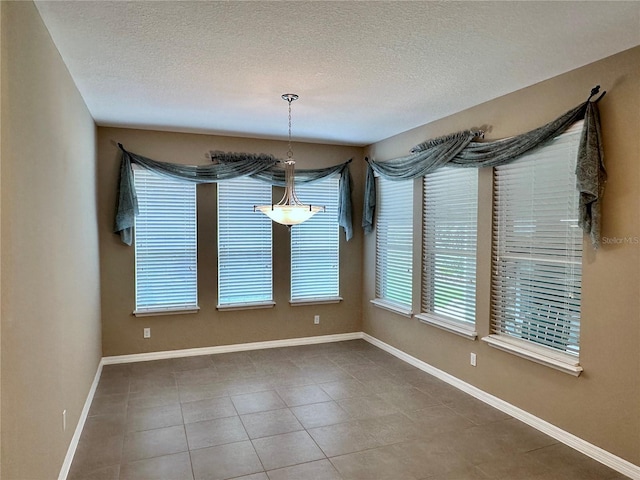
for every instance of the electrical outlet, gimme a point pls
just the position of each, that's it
(147, 333)
(316, 319)
(473, 359)
(64, 420)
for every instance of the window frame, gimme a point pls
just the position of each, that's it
(453, 191)
(146, 309)
(239, 210)
(525, 348)
(305, 239)
(394, 209)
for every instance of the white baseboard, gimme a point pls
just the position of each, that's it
(619, 464)
(71, 451)
(238, 347)
(609, 459)
(191, 352)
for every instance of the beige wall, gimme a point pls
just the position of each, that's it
(122, 332)
(49, 272)
(601, 406)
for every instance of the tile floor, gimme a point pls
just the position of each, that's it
(344, 410)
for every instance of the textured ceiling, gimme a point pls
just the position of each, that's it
(364, 70)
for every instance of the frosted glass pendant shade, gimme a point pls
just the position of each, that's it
(289, 214)
(289, 210)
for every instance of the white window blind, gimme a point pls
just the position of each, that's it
(450, 212)
(537, 257)
(315, 245)
(165, 244)
(244, 244)
(394, 242)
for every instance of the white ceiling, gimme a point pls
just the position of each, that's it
(364, 70)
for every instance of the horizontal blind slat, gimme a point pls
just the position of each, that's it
(165, 242)
(315, 243)
(245, 265)
(537, 252)
(394, 241)
(450, 205)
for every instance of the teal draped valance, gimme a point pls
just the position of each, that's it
(461, 150)
(228, 166)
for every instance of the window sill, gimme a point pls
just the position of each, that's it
(393, 307)
(539, 354)
(246, 306)
(314, 301)
(154, 312)
(459, 328)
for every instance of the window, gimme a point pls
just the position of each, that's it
(537, 256)
(315, 245)
(165, 244)
(244, 245)
(450, 211)
(394, 245)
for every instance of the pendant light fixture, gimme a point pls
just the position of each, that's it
(289, 210)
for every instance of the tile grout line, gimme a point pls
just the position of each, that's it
(347, 369)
